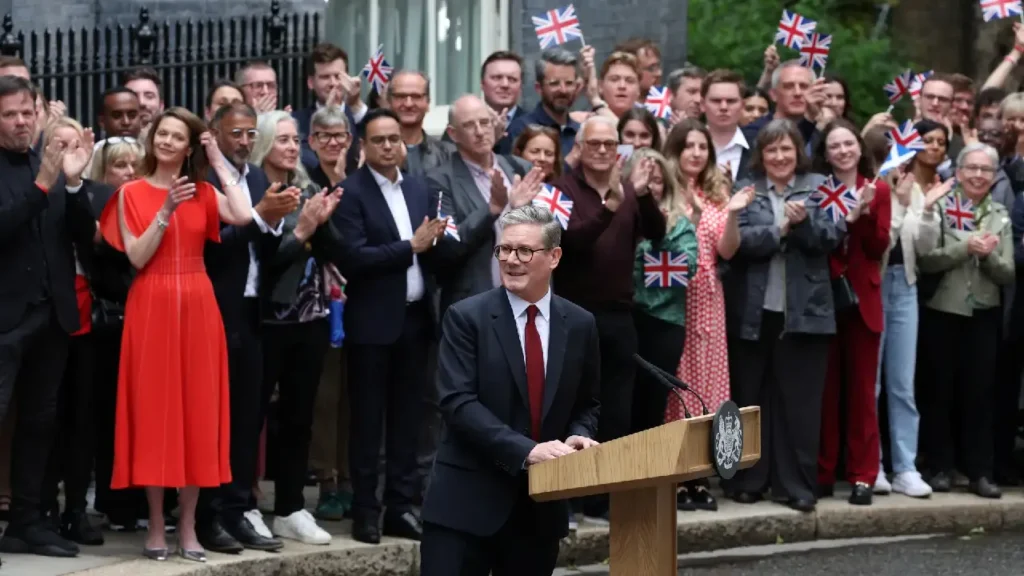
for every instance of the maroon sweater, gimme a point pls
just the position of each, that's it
(599, 247)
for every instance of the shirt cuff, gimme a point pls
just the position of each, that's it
(360, 112)
(73, 189)
(266, 228)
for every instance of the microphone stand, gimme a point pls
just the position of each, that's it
(659, 377)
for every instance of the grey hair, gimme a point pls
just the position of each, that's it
(978, 147)
(329, 117)
(551, 230)
(557, 57)
(777, 74)
(597, 119)
(266, 127)
(675, 77)
(406, 72)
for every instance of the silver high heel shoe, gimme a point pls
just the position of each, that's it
(193, 555)
(158, 554)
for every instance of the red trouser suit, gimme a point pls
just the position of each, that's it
(853, 353)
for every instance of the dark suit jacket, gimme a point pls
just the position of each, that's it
(227, 262)
(478, 475)
(467, 263)
(309, 159)
(26, 264)
(109, 270)
(376, 258)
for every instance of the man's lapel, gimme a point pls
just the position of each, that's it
(255, 184)
(378, 206)
(508, 337)
(558, 336)
(414, 203)
(465, 184)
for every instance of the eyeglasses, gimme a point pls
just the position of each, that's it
(261, 85)
(393, 139)
(977, 169)
(120, 140)
(524, 253)
(597, 145)
(326, 137)
(937, 98)
(237, 133)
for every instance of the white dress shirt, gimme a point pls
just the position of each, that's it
(542, 321)
(393, 195)
(252, 279)
(357, 113)
(732, 152)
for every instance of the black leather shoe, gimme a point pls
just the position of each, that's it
(826, 490)
(746, 497)
(214, 537)
(364, 530)
(985, 488)
(861, 495)
(683, 500)
(75, 526)
(801, 504)
(941, 482)
(405, 525)
(243, 531)
(39, 538)
(703, 500)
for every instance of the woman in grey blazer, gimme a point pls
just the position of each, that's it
(781, 318)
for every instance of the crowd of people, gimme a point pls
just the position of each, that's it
(193, 295)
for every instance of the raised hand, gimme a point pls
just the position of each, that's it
(277, 204)
(341, 164)
(573, 157)
(524, 190)
(209, 143)
(641, 176)
(309, 217)
(771, 58)
(351, 87)
(937, 191)
(330, 203)
(881, 118)
(796, 212)
(425, 234)
(904, 188)
(77, 156)
(265, 103)
(499, 193)
(51, 165)
(181, 190)
(741, 199)
(613, 199)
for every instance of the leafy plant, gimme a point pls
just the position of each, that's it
(730, 34)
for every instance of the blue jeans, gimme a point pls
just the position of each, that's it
(897, 356)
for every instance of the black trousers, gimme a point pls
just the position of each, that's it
(784, 374)
(1006, 395)
(72, 456)
(293, 357)
(248, 408)
(32, 360)
(661, 344)
(519, 548)
(962, 351)
(618, 343)
(385, 387)
(430, 423)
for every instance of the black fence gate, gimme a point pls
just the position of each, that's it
(77, 66)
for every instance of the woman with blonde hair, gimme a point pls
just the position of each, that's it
(116, 161)
(704, 363)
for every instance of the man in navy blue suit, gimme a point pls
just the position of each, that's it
(389, 221)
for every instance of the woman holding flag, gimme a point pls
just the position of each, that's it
(850, 194)
(960, 323)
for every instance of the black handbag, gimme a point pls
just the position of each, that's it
(843, 296)
(106, 314)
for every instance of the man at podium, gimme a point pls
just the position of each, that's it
(519, 372)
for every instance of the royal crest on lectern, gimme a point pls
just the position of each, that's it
(727, 439)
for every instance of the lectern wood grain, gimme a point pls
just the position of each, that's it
(648, 546)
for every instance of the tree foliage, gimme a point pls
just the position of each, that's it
(731, 34)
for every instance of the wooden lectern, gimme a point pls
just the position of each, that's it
(641, 472)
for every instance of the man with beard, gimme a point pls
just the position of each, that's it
(558, 82)
(145, 82)
(227, 518)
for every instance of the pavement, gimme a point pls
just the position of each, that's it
(733, 526)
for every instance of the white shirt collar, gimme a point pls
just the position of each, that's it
(234, 171)
(519, 305)
(382, 180)
(738, 139)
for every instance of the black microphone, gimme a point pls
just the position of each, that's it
(671, 380)
(660, 378)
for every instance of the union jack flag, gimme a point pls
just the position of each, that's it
(959, 213)
(450, 228)
(555, 201)
(666, 269)
(814, 53)
(835, 199)
(377, 71)
(994, 9)
(794, 29)
(906, 135)
(899, 86)
(659, 102)
(557, 26)
(917, 83)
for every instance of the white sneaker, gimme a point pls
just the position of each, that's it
(911, 484)
(882, 485)
(255, 518)
(301, 526)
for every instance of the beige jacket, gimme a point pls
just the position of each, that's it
(918, 230)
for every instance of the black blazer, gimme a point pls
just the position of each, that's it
(26, 264)
(108, 269)
(227, 261)
(376, 258)
(478, 475)
(309, 158)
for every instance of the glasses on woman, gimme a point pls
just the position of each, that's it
(524, 253)
(325, 138)
(978, 169)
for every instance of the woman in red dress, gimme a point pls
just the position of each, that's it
(172, 399)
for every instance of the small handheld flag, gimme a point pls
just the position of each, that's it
(659, 102)
(835, 199)
(450, 228)
(377, 71)
(814, 52)
(905, 144)
(959, 213)
(557, 26)
(899, 86)
(996, 9)
(794, 30)
(666, 269)
(917, 83)
(555, 201)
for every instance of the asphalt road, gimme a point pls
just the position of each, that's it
(986, 554)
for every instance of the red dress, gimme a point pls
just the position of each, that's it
(172, 395)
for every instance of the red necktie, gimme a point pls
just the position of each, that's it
(534, 370)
